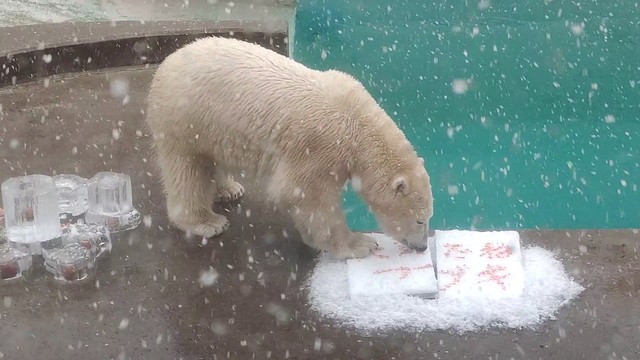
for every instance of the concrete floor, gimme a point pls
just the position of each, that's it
(151, 277)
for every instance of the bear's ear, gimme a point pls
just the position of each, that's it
(400, 185)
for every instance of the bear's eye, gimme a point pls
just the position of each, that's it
(420, 222)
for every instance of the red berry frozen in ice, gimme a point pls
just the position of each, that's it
(8, 270)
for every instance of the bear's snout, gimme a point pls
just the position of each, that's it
(419, 248)
(418, 241)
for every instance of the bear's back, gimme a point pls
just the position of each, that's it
(230, 62)
(239, 84)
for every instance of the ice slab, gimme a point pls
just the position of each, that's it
(31, 209)
(479, 264)
(392, 269)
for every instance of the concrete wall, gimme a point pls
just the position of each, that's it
(20, 12)
(36, 12)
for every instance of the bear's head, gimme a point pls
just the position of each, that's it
(402, 203)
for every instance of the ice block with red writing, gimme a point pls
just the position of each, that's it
(392, 269)
(485, 264)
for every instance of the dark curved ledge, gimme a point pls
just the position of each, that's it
(31, 52)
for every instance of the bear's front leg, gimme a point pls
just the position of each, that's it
(187, 186)
(324, 228)
(356, 245)
(200, 222)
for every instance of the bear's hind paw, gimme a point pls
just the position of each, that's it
(229, 191)
(211, 228)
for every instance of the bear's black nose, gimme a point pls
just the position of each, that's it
(419, 249)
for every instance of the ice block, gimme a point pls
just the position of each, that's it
(73, 196)
(485, 264)
(13, 263)
(31, 209)
(73, 262)
(111, 202)
(92, 236)
(392, 269)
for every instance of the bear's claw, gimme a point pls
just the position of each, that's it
(229, 191)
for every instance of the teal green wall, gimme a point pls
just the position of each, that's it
(547, 135)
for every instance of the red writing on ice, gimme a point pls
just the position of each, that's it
(456, 275)
(405, 250)
(455, 249)
(378, 253)
(496, 251)
(403, 270)
(495, 273)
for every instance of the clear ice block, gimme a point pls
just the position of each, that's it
(13, 263)
(3, 233)
(92, 236)
(73, 196)
(31, 209)
(111, 202)
(73, 262)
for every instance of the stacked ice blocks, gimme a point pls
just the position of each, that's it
(65, 219)
(468, 264)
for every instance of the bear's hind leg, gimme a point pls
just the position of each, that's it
(228, 189)
(323, 227)
(189, 194)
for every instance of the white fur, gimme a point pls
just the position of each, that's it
(221, 109)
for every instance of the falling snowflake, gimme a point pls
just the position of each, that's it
(208, 278)
(459, 86)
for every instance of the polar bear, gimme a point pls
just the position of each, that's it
(221, 110)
